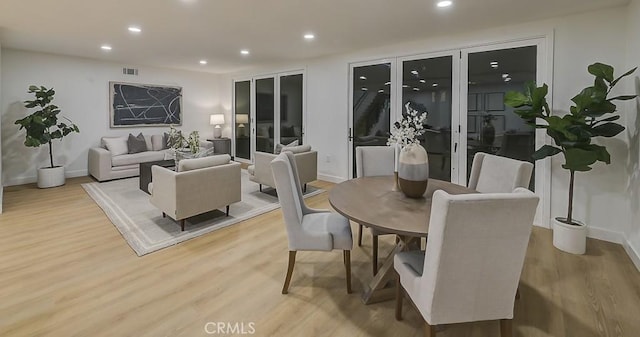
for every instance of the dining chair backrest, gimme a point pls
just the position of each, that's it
(495, 174)
(374, 161)
(289, 191)
(475, 254)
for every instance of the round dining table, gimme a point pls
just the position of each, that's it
(373, 202)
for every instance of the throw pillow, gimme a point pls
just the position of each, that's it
(280, 147)
(165, 141)
(137, 143)
(157, 143)
(116, 146)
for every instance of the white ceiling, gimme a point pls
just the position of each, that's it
(179, 33)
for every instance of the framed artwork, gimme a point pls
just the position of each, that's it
(494, 101)
(135, 105)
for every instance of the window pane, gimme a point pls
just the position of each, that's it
(243, 111)
(426, 85)
(291, 109)
(264, 114)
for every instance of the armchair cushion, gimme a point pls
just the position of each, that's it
(280, 147)
(198, 163)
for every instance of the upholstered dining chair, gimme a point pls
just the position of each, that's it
(308, 229)
(374, 161)
(474, 257)
(496, 174)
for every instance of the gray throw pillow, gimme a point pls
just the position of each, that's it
(136, 143)
(280, 147)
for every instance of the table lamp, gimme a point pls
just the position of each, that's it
(217, 120)
(241, 120)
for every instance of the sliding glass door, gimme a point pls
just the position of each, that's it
(291, 107)
(265, 114)
(242, 111)
(370, 121)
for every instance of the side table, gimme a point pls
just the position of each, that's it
(221, 145)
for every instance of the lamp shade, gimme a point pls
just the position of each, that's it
(216, 119)
(242, 119)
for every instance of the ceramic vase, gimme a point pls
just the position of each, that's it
(413, 170)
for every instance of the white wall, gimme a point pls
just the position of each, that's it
(82, 93)
(632, 230)
(579, 41)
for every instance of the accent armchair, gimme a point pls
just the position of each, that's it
(490, 173)
(308, 229)
(306, 160)
(200, 185)
(474, 257)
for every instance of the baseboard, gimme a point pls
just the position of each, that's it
(605, 235)
(633, 253)
(33, 179)
(331, 179)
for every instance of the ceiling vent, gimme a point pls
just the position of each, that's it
(130, 71)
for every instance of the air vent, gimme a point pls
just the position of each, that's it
(130, 71)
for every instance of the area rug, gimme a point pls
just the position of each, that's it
(145, 230)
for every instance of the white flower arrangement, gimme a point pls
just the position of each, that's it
(407, 130)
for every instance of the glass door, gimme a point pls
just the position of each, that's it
(493, 127)
(370, 117)
(291, 109)
(265, 114)
(242, 111)
(427, 85)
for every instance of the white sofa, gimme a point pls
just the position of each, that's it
(200, 185)
(306, 160)
(104, 165)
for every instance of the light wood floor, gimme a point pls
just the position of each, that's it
(66, 271)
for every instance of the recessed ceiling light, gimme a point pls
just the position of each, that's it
(381, 91)
(415, 72)
(434, 85)
(423, 81)
(363, 77)
(105, 47)
(203, 62)
(387, 83)
(135, 29)
(309, 36)
(444, 3)
(494, 64)
(244, 52)
(507, 79)
(405, 86)
(505, 75)
(416, 89)
(364, 89)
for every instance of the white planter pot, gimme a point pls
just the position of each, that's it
(50, 176)
(570, 238)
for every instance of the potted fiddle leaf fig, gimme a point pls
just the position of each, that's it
(592, 115)
(42, 127)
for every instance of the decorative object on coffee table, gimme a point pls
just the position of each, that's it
(413, 164)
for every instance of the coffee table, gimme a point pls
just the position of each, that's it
(145, 172)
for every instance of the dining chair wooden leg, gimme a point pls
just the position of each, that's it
(292, 261)
(359, 235)
(429, 330)
(347, 268)
(506, 327)
(227, 210)
(374, 253)
(260, 187)
(164, 215)
(399, 298)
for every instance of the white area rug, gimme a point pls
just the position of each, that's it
(143, 227)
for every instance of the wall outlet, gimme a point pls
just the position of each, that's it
(327, 159)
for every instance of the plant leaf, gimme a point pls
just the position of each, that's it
(579, 159)
(545, 151)
(607, 130)
(515, 99)
(623, 98)
(623, 75)
(601, 70)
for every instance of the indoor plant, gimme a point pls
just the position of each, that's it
(589, 117)
(42, 127)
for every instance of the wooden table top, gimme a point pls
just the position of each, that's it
(370, 201)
